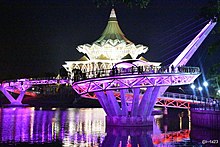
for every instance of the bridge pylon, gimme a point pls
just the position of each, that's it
(120, 115)
(12, 100)
(22, 85)
(137, 93)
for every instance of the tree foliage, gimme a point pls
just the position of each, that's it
(211, 10)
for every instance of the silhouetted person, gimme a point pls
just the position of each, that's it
(116, 70)
(63, 72)
(98, 75)
(168, 70)
(214, 104)
(172, 68)
(113, 71)
(139, 70)
(132, 69)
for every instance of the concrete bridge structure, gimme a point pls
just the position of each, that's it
(109, 78)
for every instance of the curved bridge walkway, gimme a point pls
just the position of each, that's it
(23, 84)
(126, 86)
(112, 80)
(107, 83)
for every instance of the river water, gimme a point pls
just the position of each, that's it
(76, 127)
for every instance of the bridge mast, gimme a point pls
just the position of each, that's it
(188, 52)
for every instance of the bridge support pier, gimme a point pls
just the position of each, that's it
(141, 108)
(12, 100)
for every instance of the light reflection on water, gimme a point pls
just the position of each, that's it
(71, 126)
(81, 127)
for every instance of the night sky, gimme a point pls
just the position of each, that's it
(37, 36)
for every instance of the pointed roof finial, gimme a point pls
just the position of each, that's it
(113, 31)
(112, 15)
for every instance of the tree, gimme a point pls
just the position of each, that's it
(211, 10)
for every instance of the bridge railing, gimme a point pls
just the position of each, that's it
(32, 79)
(79, 75)
(35, 81)
(184, 96)
(213, 106)
(204, 103)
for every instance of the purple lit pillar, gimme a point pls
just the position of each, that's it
(153, 98)
(135, 102)
(124, 108)
(9, 97)
(21, 96)
(113, 102)
(12, 100)
(100, 96)
(144, 104)
(117, 117)
(105, 103)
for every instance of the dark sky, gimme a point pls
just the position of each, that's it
(37, 36)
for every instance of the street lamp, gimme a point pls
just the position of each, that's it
(200, 88)
(218, 92)
(193, 86)
(205, 84)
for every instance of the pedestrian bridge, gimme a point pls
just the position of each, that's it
(22, 85)
(114, 81)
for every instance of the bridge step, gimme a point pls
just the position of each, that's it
(129, 121)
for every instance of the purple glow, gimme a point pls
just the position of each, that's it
(81, 127)
(37, 126)
(130, 63)
(133, 81)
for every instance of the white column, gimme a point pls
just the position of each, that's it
(135, 102)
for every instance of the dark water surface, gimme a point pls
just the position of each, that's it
(86, 127)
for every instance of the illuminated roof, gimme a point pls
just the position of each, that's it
(84, 58)
(128, 56)
(112, 45)
(112, 31)
(144, 59)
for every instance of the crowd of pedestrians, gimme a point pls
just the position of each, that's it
(79, 75)
(211, 104)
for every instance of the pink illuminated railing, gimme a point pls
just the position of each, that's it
(101, 73)
(79, 75)
(114, 79)
(26, 83)
(21, 86)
